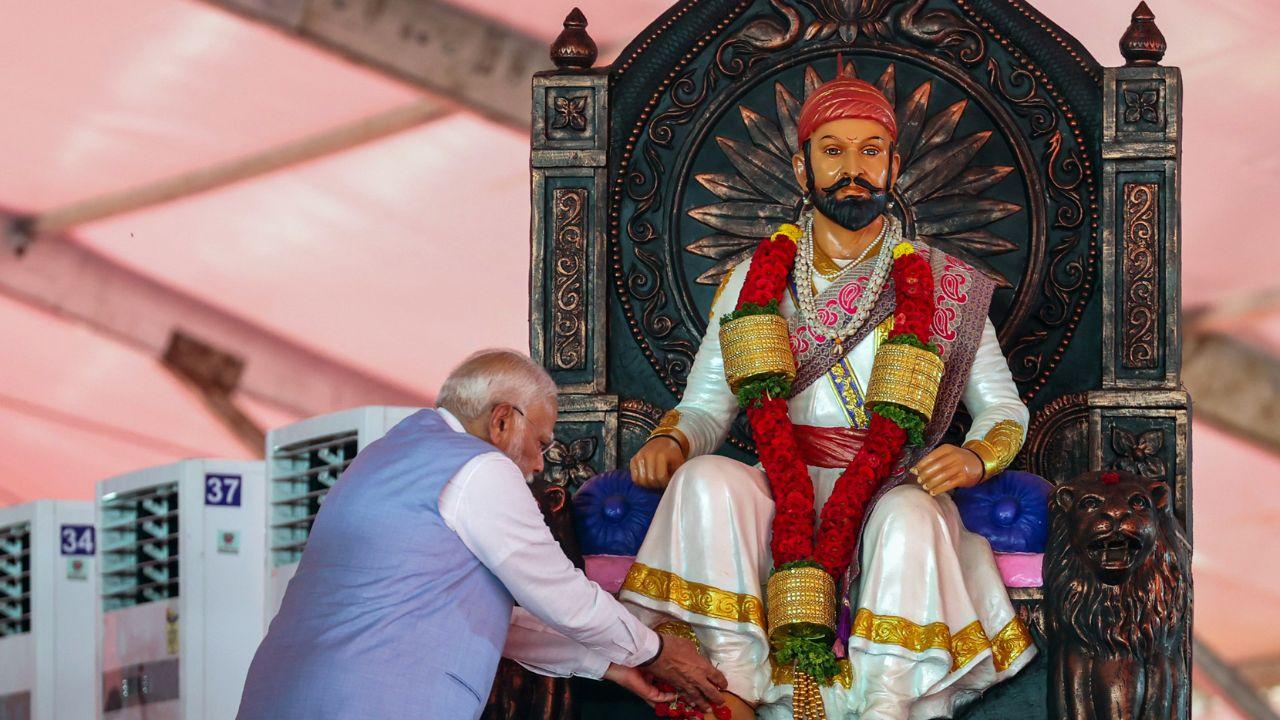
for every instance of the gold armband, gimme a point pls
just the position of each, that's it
(668, 426)
(998, 448)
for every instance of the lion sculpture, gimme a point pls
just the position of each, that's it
(1117, 600)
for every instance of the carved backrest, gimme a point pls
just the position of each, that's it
(1058, 177)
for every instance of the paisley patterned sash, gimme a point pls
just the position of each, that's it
(962, 296)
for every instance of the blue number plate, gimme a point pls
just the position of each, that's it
(222, 490)
(76, 539)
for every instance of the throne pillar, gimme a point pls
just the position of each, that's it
(1140, 418)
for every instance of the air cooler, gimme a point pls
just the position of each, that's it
(181, 561)
(304, 460)
(47, 587)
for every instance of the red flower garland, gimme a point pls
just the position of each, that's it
(842, 516)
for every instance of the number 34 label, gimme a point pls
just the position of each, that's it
(77, 539)
(222, 490)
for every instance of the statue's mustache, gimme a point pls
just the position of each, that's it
(845, 181)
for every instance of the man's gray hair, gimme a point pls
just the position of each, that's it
(490, 377)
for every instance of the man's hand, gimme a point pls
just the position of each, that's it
(635, 681)
(656, 462)
(946, 468)
(681, 666)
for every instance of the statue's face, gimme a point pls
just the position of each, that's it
(848, 171)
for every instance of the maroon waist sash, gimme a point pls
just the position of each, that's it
(828, 447)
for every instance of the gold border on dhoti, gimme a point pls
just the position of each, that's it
(1009, 643)
(695, 597)
(963, 646)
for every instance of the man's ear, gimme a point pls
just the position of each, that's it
(499, 419)
(895, 167)
(798, 167)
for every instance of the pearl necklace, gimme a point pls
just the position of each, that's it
(806, 293)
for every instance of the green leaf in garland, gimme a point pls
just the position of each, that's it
(796, 564)
(909, 420)
(913, 341)
(810, 656)
(749, 309)
(755, 392)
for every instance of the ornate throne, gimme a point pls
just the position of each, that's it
(1056, 176)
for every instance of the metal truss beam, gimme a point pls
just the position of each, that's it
(67, 279)
(477, 61)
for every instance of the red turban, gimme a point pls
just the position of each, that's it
(842, 99)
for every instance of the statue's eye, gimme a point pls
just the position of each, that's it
(1091, 503)
(871, 151)
(832, 151)
(1139, 502)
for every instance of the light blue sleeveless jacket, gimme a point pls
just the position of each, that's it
(389, 615)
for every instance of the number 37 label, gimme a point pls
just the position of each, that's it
(222, 490)
(77, 539)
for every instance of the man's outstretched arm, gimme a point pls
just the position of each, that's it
(491, 509)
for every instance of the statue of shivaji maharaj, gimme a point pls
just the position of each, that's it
(835, 578)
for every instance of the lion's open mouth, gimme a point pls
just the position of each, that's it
(1115, 552)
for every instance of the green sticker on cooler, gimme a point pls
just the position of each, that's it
(77, 569)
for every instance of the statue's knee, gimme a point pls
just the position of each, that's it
(716, 475)
(908, 507)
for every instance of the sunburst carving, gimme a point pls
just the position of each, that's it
(940, 189)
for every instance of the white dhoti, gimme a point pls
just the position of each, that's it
(933, 624)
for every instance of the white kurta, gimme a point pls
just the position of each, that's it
(933, 622)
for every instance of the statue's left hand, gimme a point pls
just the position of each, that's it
(946, 468)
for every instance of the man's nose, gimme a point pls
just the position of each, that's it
(537, 464)
(856, 165)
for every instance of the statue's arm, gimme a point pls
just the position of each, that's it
(702, 419)
(999, 416)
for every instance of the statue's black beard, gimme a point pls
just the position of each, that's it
(851, 213)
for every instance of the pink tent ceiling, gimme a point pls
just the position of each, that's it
(399, 256)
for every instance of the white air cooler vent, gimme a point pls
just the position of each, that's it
(140, 547)
(15, 579)
(302, 473)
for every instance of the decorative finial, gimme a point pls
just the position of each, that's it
(574, 49)
(1143, 44)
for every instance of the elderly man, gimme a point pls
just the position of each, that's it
(404, 597)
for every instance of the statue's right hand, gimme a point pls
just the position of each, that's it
(656, 462)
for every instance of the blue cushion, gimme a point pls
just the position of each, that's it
(1011, 510)
(611, 514)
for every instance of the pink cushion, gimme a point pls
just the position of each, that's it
(608, 571)
(1021, 570)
